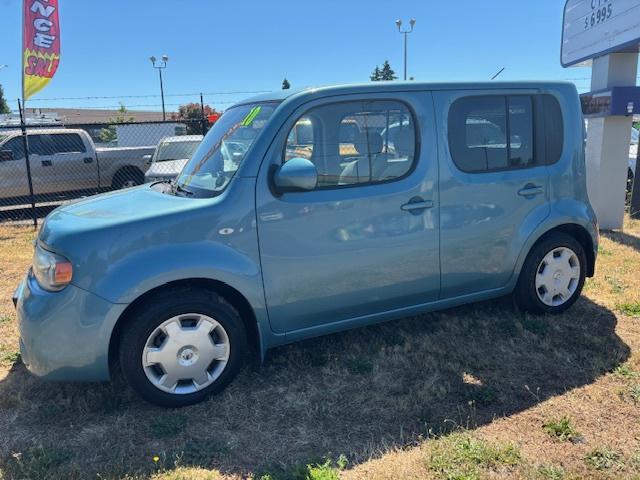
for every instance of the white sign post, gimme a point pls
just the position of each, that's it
(605, 34)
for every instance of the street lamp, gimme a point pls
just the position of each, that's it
(405, 32)
(160, 67)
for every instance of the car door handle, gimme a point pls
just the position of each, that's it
(417, 205)
(87, 160)
(46, 163)
(530, 190)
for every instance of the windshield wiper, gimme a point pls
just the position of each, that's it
(175, 189)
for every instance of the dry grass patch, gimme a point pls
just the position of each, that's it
(392, 399)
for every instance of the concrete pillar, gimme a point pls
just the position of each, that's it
(607, 153)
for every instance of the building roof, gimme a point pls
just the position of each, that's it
(95, 115)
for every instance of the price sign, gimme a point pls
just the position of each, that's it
(593, 28)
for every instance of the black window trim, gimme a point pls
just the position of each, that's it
(417, 140)
(540, 144)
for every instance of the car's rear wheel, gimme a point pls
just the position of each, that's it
(181, 347)
(553, 275)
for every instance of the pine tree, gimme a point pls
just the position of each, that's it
(375, 76)
(285, 84)
(4, 108)
(387, 72)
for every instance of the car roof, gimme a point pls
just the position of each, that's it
(41, 130)
(395, 86)
(182, 138)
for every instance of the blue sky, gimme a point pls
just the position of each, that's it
(243, 46)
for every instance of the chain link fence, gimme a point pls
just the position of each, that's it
(67, 161)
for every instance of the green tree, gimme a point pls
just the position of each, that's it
(110, 134)
(375, 76)
(4, 108)
(192, 114)
(285, 84)
(387, 72)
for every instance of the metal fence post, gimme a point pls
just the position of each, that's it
(634, 210)
(25, 142)
(204, 120)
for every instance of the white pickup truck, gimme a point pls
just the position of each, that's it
(63, 162)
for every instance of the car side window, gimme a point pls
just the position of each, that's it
(38, 145)
(492, 133)
(355, 143)
(52, 144)
(300, 140)
(67, 143)
(16, 146)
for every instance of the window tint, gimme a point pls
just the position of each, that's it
(520, 131)
(491, 133)
(554, 129)
(356, 142)
(67, 143)
(52, 144)
(16, 146)
(479, 126)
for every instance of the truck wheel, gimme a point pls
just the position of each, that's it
(552, 276)
(127, 178)
(182, 347)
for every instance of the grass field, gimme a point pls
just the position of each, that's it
(482, 391)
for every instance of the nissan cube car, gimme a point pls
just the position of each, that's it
(306, 213)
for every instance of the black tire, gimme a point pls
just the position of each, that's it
(525, 293)
(127, 177)
(159, 308)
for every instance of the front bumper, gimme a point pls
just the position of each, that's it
(64, 335)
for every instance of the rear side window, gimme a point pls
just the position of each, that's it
(505, 132)
(554, 129)
(67, 143)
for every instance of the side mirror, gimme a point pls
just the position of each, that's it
(147, 159)
(6, 155)
(298, 174)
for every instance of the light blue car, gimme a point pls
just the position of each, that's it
(403, 198)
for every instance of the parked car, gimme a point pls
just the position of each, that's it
(177, 282)
(65, 161)
(633, 156)
(170, 156)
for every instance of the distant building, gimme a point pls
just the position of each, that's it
(94, 115)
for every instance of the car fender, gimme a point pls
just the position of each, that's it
(565, 211)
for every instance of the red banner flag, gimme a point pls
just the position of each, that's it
(40, 45)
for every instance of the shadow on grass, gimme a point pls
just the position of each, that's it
(623, 238)
(357, 393)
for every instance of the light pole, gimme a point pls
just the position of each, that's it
(160, 67)
(405, 32)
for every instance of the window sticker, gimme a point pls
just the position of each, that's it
(251, 116)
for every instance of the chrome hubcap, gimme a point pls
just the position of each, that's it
(557, 276)
(186, 353)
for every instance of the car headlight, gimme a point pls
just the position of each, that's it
(52, 271)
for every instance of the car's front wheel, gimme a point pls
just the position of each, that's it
(180, 347)
(553, 275)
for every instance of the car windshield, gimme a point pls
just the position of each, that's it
(176, 150)
(220, 154)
